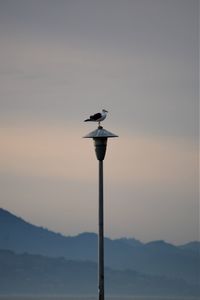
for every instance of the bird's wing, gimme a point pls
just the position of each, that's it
(95, 116)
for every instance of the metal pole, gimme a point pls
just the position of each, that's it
(100, 136)
(101, 233)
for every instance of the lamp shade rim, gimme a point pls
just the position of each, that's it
(100, 132)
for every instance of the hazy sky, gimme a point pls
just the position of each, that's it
(63, 60)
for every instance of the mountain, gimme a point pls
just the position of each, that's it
(38, 275)
(192, 246)
(130, 241)
(21, 236)
(156, 258)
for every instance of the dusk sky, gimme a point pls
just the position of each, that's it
(61, 61)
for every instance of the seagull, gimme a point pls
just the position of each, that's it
(98, 117)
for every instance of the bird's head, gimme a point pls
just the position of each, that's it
(104, 110)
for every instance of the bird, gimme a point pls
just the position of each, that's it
(98, 117)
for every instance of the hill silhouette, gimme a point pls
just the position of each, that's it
(156, 258)
(24, 274)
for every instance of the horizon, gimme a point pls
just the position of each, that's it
(62, 62)
(96, 233)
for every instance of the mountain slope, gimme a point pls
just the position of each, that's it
(36, 274)
(154, 258)
(192, 246)
(21, 236)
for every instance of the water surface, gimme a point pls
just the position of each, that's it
(94, 298)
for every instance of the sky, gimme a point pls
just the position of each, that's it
(61, 61)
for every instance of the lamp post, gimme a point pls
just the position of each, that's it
(100, 136)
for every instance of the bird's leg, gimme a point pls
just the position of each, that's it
(100, 127)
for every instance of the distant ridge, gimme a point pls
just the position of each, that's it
(24, 274)
(192, 246)
(21, 236)
(154, 258)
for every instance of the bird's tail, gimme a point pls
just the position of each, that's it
(87, 120)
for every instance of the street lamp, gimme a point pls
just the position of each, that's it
(100, 136)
